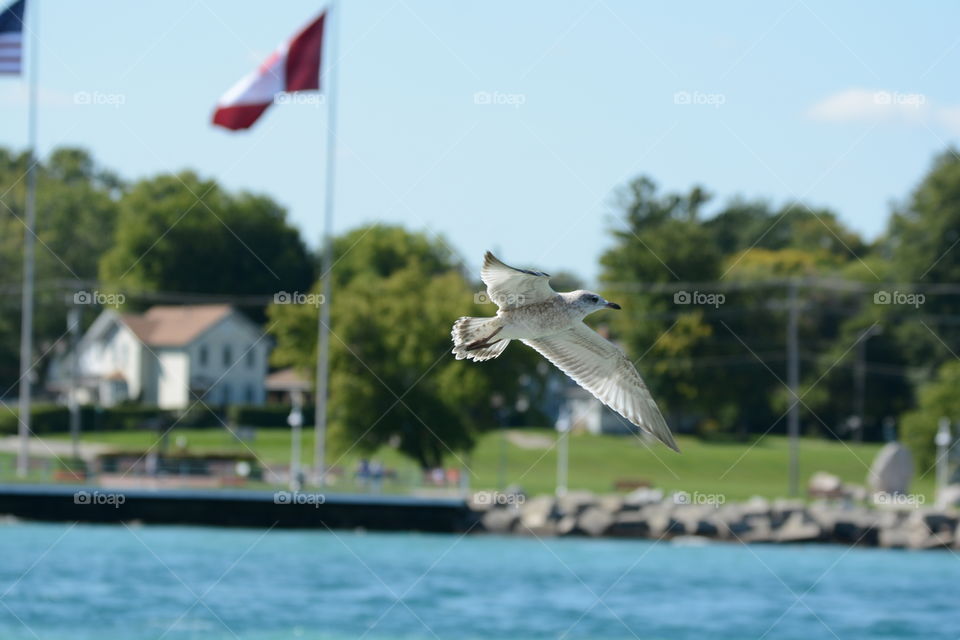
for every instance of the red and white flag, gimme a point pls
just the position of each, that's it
(294, 66)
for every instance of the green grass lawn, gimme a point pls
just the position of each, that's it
(735, 470)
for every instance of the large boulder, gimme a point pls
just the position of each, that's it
(595, 521)
(892, 469)
(642, 497)
(574, 502)
(630, 524)
(661, 521)
(857, 526)
(799, 526)
(500, 519)
(610, 502)
(699, 520)
(930, 529)
(538, 516)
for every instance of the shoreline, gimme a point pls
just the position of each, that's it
(577, 514)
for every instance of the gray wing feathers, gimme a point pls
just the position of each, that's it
(509, 287)
(602, 369)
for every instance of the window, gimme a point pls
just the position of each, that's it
(203, 356)
(249, 396)
(225, 394)
(227, 355)
(251, 358)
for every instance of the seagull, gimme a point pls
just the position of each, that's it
(552, 323)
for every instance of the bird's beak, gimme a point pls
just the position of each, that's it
(612, 305)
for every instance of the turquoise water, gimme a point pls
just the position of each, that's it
(106, 582)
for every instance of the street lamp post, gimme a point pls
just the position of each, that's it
(563, 450)
(942, 441)
(295, 420)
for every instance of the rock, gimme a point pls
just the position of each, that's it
(629, 524)
(949, 496)
(929, 529)
(799, 527)
(892, 469)
(940, 522)
(855, 526)
(567, 526)
(537, 516)
(894, 537)
(500, 520)
(698, 520)
(825, 484)
(595, 521)
(758, 529)
(611, 503)
(643, 496)
(661, 521)
(574, 502)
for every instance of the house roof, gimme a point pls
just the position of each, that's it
(286, 380)
(174, 326)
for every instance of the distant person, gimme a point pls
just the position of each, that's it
(362, 474)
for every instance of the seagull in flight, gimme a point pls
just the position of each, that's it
(552, 323)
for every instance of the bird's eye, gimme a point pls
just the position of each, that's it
(594, 299)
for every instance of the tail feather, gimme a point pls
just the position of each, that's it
(476, 338)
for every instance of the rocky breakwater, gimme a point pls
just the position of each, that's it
(649, 514)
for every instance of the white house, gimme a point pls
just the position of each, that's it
(169, 356)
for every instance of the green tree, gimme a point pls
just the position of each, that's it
(75, 218)
(664, 241)
(924, 245)
(180, 233)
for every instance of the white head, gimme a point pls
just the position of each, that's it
(587, 302)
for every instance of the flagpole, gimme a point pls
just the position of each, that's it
(26, 311)
(323, 323)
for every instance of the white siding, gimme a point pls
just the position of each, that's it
(236, 363)
(174, 371)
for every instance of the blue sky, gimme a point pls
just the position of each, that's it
(840, 104)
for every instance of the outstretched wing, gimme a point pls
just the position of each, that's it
(602, 369)
(510, 288)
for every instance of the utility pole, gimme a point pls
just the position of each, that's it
(295, 420)
(860, 380)
(793, 381)
(942, 440)
(73, 327)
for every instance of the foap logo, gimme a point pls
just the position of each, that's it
(915, 100)
(99, 99)
(905, 500)
(99, 298)
(503, 300)
(697, 498)
(499, 98)
(899, 297)
(699, 298)
(299, 498)
(296, 297)
(499, 499)
(99, 498)
(299, 97)
(701, 98)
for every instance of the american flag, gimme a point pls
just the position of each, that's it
(11, 38)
